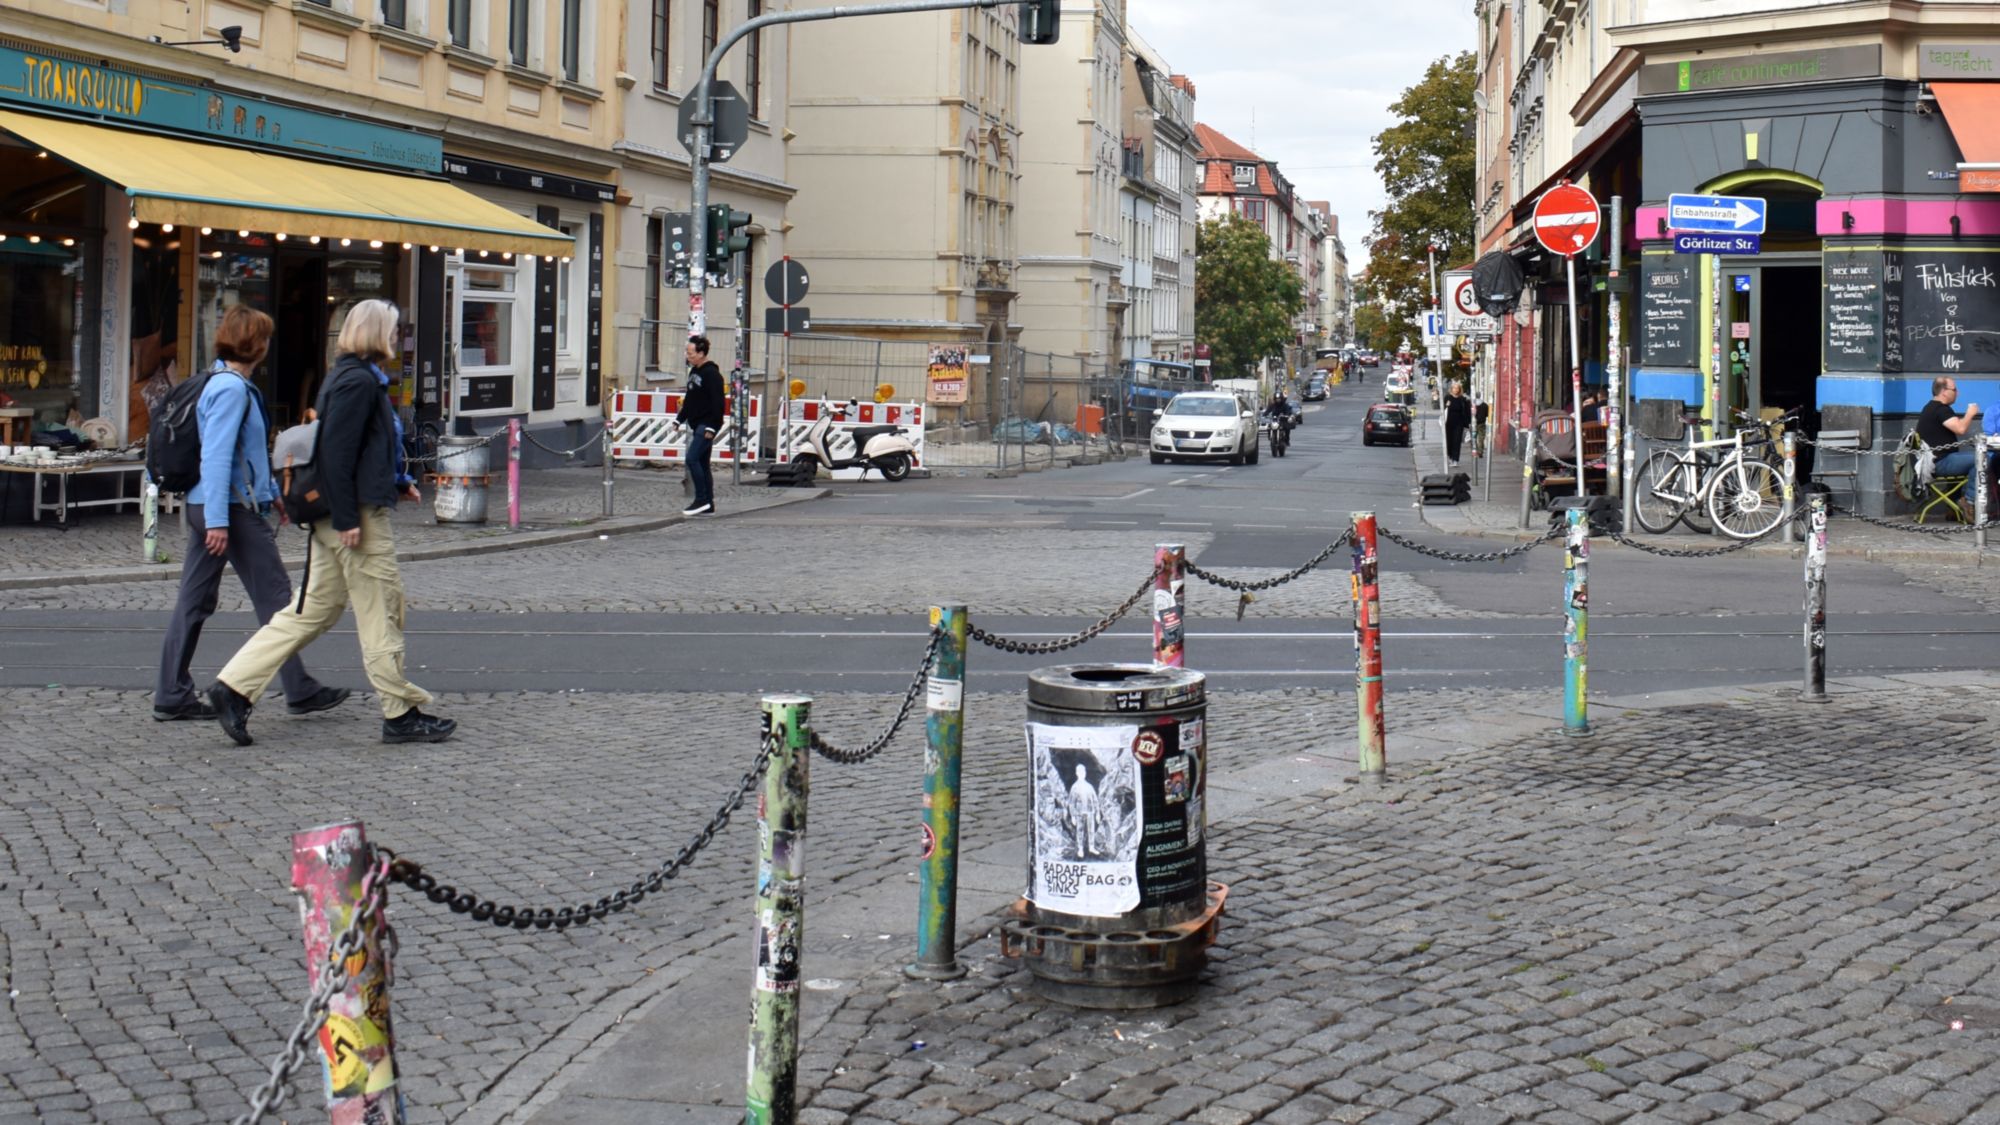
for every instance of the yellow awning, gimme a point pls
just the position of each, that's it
(193, 184)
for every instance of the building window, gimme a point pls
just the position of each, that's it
(517, 31)
(1251, 209)
(662, 62)
(1246, 175)
(486, 318)
(458, 17)
(711, 27)
(395, 13)
(649, 326)
(572, 40)
(753, 64)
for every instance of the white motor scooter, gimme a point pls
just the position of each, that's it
(882, 448)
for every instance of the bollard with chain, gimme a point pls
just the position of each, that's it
(1980, 484)
(1576, 624)
(1815, 691)
(944, 745)
(513, 474)
(357, 1041)
(149, 507)
(772, 1093)
(1528, 481)
(1791, 476)
(1627, 492)
(605, 441)
(1170, 605)
(1369, 726)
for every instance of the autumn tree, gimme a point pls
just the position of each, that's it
(1426, 161)
(1245, 301)
(1371, 327)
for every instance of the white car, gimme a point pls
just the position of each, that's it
(1200, 424)
(1397, 386)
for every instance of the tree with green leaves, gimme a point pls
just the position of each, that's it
(1371, 327)
(1245, 300)
(1426, 161)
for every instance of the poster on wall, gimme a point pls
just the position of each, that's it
(949, 375)
(1084, 854)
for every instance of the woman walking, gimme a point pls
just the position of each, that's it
(228, 513)
(1457, 417)
(352, 555)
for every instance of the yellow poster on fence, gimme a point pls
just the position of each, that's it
(949, 376)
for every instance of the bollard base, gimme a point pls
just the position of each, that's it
(920, 971)
(1117, 971)
(1371, 777)
(1583, 731)
(1811, 696)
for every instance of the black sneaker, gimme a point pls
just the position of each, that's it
(325, 699)
(193, 709)
(415, 726)
(232, 711)
(707, 509)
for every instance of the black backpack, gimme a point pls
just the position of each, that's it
(173, 439)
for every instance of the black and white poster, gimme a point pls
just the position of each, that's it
(1084, 855)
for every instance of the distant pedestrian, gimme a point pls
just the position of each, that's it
(351, 556)
(1479, 415)
(1593, 406)
(701, 412)
(1457, 417)
(228, 513)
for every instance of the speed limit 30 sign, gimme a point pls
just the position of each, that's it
(1567, 220)
(1462, 315)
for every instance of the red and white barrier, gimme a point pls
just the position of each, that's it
(907, 417)
(643, 429)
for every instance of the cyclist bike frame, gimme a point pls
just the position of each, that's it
(1741, 494)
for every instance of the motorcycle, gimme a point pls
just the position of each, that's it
(882, 448)
(1277, 426)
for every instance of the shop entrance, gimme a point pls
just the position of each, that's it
(290, 382)
(1773, 312)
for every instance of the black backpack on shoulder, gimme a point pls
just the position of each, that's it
(173, 438)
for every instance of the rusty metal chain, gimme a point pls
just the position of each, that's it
(1917, 528)
(1240, 586)
(333, 978)
(1045, 648)
(412, 874)
(1890, 450)
(1469, 556)
(834, 753)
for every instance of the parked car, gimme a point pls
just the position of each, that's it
(1315, 390)
(1206, 424)
(1386, 421)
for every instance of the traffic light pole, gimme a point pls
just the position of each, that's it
(703, 121)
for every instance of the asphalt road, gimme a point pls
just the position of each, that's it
(1656, 624)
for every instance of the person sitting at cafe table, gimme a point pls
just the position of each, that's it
(1940, 426)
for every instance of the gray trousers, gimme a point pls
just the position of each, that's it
(253, 553)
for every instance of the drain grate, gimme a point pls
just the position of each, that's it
(1742, 820)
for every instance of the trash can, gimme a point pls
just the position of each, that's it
(1119, 911)
(462, 479)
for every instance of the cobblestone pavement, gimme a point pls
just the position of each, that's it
(1695, 915)
(151, 952)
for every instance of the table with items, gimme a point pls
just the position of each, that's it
(50, 467)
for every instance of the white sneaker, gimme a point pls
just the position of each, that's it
(699, 510)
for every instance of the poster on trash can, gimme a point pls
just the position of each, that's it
(949, 376)
(1084, 856)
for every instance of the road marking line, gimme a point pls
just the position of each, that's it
(1172, 483)
(1131, 495)
(1187, 523)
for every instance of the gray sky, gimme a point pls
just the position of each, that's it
(1318, 74)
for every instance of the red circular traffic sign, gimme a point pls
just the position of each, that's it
(1566, 219)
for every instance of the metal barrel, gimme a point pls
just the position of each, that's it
(463, 473)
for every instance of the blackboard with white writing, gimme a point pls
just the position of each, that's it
(1855, 310)
(1950, 314)
(1669, 326)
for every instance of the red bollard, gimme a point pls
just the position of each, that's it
(1170, 606)
(513, 474)
(357, 1042)
(1369, 728)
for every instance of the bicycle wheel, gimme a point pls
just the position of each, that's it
(1695, 484)
(1653, 512)
(1746, 499)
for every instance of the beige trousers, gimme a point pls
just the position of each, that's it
(367, 577)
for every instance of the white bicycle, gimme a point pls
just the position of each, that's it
(1740, 491)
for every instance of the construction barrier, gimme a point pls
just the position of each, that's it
(907, 417)
(643, 429)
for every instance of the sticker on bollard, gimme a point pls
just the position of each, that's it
(1119, 911)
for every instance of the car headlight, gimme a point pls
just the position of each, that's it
(1159, 431)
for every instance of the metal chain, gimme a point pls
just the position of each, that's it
(834, 753)
(1917, 528)
(333, 978)
(1697, 553)
(1214, 579)
(434, 457)
(1471, 557)
(1890, 450)
(412, 875)
(589, 443)
(1045, 648)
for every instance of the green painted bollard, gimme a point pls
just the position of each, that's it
(1576, 624)
(772, 1095)
(944, 730)
(1368, 726)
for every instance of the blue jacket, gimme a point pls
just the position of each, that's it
(235, 445)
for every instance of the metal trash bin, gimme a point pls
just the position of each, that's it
(462, 477)
(1119, 911)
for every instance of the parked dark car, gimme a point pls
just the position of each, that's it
(1315, 390)
(1386, 422)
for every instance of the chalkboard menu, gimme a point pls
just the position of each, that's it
(1856, 310)
(1669, 330)
(1950, 314)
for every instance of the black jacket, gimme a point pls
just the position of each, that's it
(357, 442)
(701, 403)
(1457, 412)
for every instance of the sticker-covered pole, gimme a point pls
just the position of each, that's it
(1575, 369)
(513, 474)
(1170, 605)
(944, 731)
(1981, 481)
(357, 1043)
(1614, 374)
(1528, 480)
(608, 483)
(1791, 475)
(772, 1094)
(149, 507)
(1369, 728)
(1815, 691)
(1576, 624)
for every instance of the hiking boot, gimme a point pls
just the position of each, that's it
(196, 708)
(325, 699)
(415, 726)
(232, 711)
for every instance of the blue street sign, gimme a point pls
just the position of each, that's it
(1731, 214)
(1742, 283)
(1717, 244)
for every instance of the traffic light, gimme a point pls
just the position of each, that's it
(726, 237)
(1041, 21)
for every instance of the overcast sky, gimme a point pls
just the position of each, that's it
(1317, 74)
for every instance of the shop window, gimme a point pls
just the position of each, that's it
(158, 359)
(41, 298)
(486, 317)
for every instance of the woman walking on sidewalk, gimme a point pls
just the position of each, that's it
(228, 513)
(352, 553)
(1457, 417)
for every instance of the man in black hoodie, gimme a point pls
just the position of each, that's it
(701, 412)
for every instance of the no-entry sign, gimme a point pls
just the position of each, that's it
(1567, 220)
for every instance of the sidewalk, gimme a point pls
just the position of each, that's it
(1500, 517)
(557, 506)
